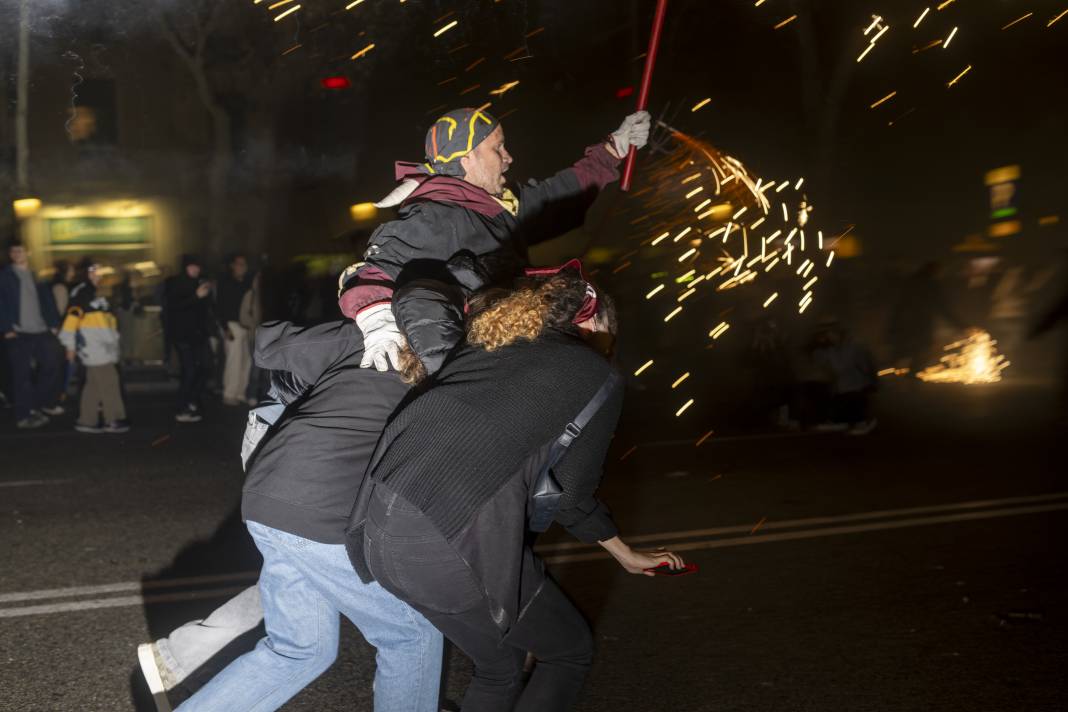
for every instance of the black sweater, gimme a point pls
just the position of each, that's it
(456, 444)
(305, 475)
(186, 315)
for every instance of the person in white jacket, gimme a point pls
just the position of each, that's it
(90, 333)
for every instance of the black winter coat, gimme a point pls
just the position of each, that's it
(304, 477)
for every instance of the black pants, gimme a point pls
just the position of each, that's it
(24, 352)
(411, 560)
(193, 372)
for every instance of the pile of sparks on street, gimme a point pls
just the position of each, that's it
(973, 360)
(720, 228)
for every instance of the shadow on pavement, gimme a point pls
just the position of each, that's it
(228, 550)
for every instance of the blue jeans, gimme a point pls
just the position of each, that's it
(305, 588)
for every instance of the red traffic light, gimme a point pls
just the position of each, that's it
(337, 82)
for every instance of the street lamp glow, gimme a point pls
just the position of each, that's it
(26, 207)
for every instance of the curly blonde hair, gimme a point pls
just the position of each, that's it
(505, 317)
(411, 369)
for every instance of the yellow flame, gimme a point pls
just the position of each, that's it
(975, 361)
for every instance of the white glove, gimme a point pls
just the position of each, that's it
(634, 131)
(402, 191)
(382, 340)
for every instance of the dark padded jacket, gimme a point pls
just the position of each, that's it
(447, 215)
(304, 477)
(187, 316)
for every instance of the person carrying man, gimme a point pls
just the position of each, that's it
(453, 204)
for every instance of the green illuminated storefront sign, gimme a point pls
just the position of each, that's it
(95, 231)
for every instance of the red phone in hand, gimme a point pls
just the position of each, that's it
(665, 569)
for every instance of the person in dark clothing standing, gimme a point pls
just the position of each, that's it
(188, 316)
(28, 323)
(229, 295)
(442, 519)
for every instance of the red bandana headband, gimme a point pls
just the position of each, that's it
(588, 310)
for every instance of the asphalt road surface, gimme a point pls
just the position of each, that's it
(921, 567)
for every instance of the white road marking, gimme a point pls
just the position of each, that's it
(825, 531)
(819, 521)
(941, 514)
(118, 602)
(125, 586)
(30, 483)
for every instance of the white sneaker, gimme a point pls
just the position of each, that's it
(88, 428)
(157, 675)
(189, 414)
(35, 420)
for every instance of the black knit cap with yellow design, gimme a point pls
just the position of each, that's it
(453, 136)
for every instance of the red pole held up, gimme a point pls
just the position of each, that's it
(647, 79)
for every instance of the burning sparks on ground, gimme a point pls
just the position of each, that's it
(785, 22)
(975, 361)
(701, 104)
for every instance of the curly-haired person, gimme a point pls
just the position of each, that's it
(442, 519)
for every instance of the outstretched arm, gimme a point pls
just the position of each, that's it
(559, 203)
(579, 473)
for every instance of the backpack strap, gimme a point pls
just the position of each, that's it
(573, 429)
